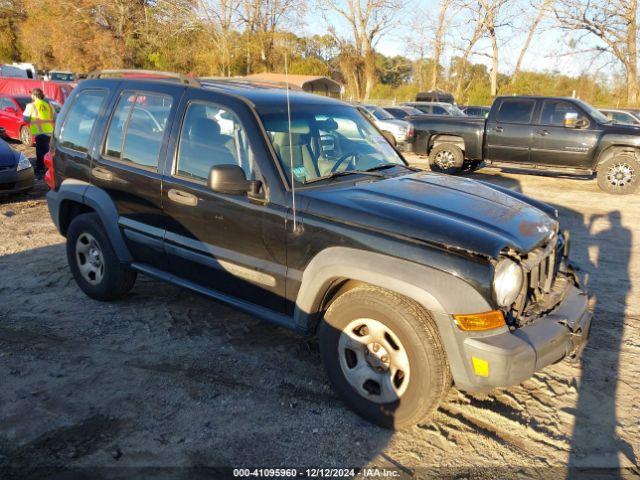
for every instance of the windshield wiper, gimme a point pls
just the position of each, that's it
(391, 165)
(340, 174)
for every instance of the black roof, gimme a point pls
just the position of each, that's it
(259, 94)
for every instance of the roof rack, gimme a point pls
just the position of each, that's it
(146, 74)
(248, 81)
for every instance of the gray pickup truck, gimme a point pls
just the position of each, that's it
(563, 135)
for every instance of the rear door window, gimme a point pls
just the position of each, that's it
(137, 128)
(78, 124)
(516, 111)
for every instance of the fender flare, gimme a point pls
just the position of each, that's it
(99, 201)
(437, 291)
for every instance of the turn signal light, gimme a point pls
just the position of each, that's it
(480, 321)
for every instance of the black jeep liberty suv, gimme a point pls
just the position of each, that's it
(296, 209)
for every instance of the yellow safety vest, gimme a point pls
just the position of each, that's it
(41, 116)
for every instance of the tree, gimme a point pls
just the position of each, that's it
(492, 10)
(615, 24)
(541, 10)
(368, 21)
(438, 40)
(476, 12)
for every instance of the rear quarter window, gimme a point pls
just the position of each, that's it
(78, 124)
(516, 111)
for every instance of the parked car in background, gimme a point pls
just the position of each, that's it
(626, 117)
(16, 171)
(402, 111)
(411, 282)
(398, 132)
(59, 76)
(11, 116)
(562, 135)
(435, 96)
(476, 111)
(58, 91)
(13, 72)
(436, 108)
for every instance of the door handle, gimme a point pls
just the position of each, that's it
(102, 174)
(499, 129)
(543, 132)
(183, 198)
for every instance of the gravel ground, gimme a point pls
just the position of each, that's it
(167, 378)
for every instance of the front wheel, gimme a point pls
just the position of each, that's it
(93, 262)
(619, 174)
(446, 158)
(25, 136)
(383, 355)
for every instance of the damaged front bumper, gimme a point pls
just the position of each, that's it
(510, 357)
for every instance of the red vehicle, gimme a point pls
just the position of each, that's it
(57, 91)
(11, 120)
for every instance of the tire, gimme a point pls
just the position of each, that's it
(389, 136)
(446, 158)
(89, 250)
(25, 136)
(410, 342)
(619, 174)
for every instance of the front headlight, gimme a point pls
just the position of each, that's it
(507, 281)
(23, 162)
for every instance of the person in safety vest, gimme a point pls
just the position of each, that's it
(40, 114)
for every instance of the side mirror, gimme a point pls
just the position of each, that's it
(10, 110)
(571, 120)
(229, 179)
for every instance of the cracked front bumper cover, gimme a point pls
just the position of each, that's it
(515, 356)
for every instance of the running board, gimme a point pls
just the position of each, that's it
(263, 313)
(527, 167)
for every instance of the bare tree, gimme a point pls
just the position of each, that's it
(438, 41)
(475, 11)
(368, 21)
(493, 12)
(541, 11)
(615, 23)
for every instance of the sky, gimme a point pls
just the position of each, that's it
(549, 50)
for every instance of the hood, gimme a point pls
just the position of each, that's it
(8, 156)
(439, 209)
(622, 129)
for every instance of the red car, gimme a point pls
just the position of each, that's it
(11, 110)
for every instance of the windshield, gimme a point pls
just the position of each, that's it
(453, 110)
(413, 111)
(380, 113)
(597, 115)
(326, 139)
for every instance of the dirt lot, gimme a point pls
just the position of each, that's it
(167, 378)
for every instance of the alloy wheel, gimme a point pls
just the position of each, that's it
(620, 174)
(445, 159)
(373, 360)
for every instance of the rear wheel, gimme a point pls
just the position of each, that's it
(383, 355)
(93, 262)
(446, 158)
(619, 174)
(25, 136)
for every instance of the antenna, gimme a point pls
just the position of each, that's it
(293, 184)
